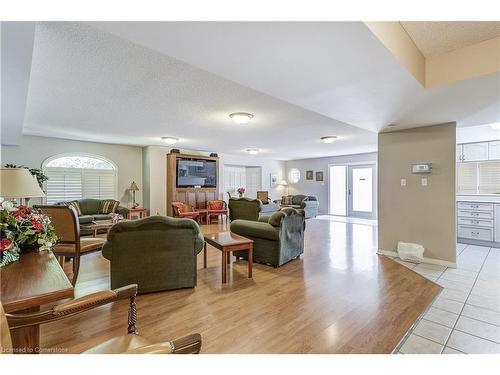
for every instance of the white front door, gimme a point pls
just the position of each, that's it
(361, 191)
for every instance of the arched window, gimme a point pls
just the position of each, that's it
(77, 176)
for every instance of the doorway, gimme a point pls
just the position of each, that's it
(352, 190)
(236, 176)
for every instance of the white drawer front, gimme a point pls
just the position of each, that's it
(475, 206)
(480, 222)
(483, 234)
(475, 214)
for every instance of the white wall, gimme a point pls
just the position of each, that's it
(32, 151)
(156, 161)
(320, 189)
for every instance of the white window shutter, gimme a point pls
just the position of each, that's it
(489, 177)
(63, 185)
(467, 178)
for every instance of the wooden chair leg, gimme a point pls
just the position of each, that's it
(76, 269)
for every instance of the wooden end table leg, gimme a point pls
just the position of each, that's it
(228, 256)
(250, 261)
(224, 266)
(205, 255)
(26, 340)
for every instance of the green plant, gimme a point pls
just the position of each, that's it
(37, 172)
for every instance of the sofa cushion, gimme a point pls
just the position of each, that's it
(85, 219)
(297, 199)
(89, 206)
(286, 200)
(108, 206)
(75, 205)
(101, 217)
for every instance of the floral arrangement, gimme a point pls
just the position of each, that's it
(22, 229)
(240, 191)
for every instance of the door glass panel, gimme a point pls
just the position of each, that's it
(338, 188)
(362, 185)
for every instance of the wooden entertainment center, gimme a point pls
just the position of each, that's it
(196, 197)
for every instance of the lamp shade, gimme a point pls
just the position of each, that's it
(133, 186)
(19, 183)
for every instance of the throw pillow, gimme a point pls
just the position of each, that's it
(75, 205)
(108, 206)
(286, 200)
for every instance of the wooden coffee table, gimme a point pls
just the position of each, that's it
(98, 225)
(227, 242)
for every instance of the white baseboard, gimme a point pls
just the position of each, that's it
(425, 260)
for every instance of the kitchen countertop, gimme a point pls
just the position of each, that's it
(487, 198)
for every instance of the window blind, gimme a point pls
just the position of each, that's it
(467, 178)
(66, 184)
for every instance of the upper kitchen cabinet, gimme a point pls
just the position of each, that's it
(474, 151)
(495, 150)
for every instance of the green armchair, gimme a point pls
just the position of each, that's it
(249, 209)
(278, 238)
(156, 253)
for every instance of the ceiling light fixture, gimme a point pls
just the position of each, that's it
(170, 140)
(495, 126)
(329, 139)
(252, 151)
(241, 118)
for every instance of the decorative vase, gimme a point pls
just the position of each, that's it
(240, 195)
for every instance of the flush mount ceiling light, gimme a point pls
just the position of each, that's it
(252, 151)
(495, 126)
(170, 140)
(241, 118)
(328, 139)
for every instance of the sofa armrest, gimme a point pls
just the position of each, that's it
(122, 211)
(309, 204)
(199, 243)
(264, 219)
(248, 228)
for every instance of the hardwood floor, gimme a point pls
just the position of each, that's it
(339, 297)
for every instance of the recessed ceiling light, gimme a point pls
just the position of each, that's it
(170, 140)
(328, 139)
(495, 126)
(252, 151)
(241, 117)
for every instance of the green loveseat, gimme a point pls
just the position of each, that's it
(90, 211)
(278, 238)
(249, 209)
(156, 253)
(309, 203)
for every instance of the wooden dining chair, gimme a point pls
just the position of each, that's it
(70, 245)
(131, 343)
(217, 208)
(263, 196)
(181, 209)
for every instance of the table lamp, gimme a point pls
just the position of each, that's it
(284, 183)
(133, 188)
(19, 183)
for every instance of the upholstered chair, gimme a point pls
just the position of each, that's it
(70, 245)
(183, 210)
(156, 253)
(217, 208)
(277, 239)
(263, 196)
(131, 343)
(249, 209)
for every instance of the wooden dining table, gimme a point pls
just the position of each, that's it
(35, 279)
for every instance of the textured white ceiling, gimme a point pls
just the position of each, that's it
(338, 69)
(90, 85)
(437, 37)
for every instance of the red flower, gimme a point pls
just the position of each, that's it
(4, 244)
(37, 226)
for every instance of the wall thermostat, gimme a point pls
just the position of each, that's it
(421, 168)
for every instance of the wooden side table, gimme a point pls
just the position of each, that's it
(203, 214)
(139, 211)
(227, 242)
(35, 279)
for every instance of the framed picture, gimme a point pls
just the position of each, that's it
(273, 180)
(309, 175)
(319, 176)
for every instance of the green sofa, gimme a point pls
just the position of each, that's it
(309, 203)
(90, 210)
(156, 253)
(249, 209)
(278, 238)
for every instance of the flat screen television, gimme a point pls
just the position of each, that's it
(192, 172)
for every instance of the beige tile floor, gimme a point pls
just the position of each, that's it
(465, 317)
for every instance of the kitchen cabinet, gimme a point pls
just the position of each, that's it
(478, 221)
(494, 153)
(497, 222)
(475, 151)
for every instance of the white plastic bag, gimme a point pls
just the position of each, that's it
(410, 252)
